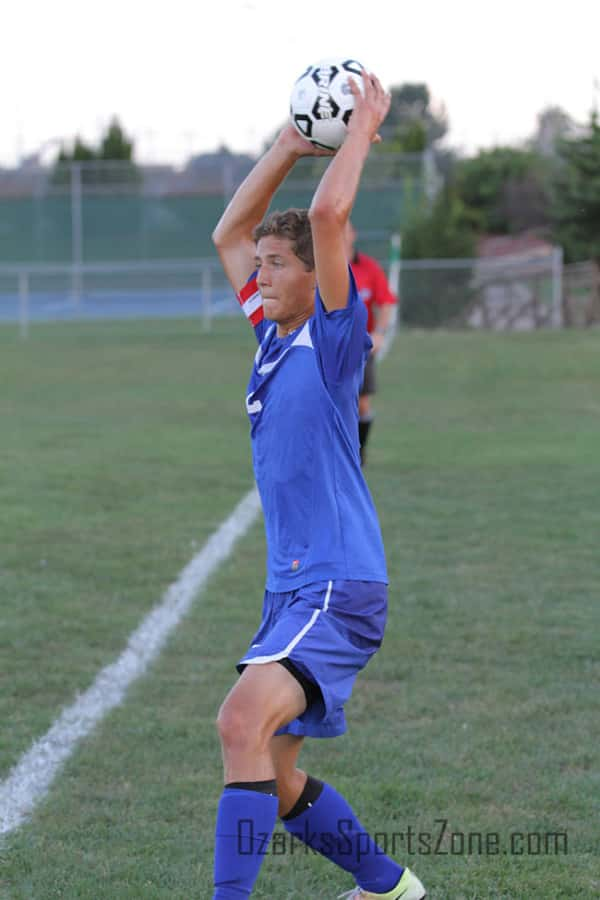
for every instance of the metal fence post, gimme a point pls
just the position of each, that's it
(557, 287)
(76, 233)
(206, 298)
(432, 180)
(24, 305)
(394, 278)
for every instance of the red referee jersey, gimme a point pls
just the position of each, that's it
(372, 285)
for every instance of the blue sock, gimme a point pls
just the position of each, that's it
(329, 826)
(245, 822)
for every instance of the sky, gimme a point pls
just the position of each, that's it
(186, 77)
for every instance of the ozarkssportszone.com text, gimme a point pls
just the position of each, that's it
(441, 840)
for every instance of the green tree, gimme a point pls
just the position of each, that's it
(506, 188)
(114, 146)
(577, 195)
(412, 126)
(410, 137)
(81, 152)
(412, 119)
(447, 232)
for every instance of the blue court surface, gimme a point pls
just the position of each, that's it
(138, 304)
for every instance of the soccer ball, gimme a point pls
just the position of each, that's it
(322, 102)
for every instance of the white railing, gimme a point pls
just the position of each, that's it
(505, 293)
(30, 291)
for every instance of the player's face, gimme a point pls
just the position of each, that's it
(286, 287)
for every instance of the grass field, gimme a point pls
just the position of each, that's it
(125, 445)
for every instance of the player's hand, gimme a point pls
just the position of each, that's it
(370, 108)
(377, 338)
(292, 141)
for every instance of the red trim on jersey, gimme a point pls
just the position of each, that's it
(252, 308)
(249, 288)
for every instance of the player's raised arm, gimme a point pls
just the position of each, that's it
(335, 195)
(233, 234)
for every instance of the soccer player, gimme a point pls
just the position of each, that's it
(372, 286)
(324, 607)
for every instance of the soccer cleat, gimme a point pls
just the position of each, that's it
(408, 888)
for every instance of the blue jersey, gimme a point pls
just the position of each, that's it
(302, 401)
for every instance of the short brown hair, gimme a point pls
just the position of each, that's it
(294, 225)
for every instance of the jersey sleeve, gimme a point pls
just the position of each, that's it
(340, 336)
(251, 302)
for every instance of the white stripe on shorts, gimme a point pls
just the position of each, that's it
(327, 596)
(297, 637)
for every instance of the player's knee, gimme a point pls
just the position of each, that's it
(231, 724)
(238, 728)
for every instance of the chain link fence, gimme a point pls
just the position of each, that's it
(509, 294)
(97, 240)
(104, 212)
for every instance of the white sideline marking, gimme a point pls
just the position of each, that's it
(29, 781)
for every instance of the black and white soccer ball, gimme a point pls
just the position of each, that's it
(322, 102)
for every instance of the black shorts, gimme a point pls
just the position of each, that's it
(369, 385)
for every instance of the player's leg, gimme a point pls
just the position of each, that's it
(313, 811)
(365, 411)
(365, 420)
(291, 781)
(315, 814)
(265, 698)
(324, 820)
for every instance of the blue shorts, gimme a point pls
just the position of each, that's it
(328, 630)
